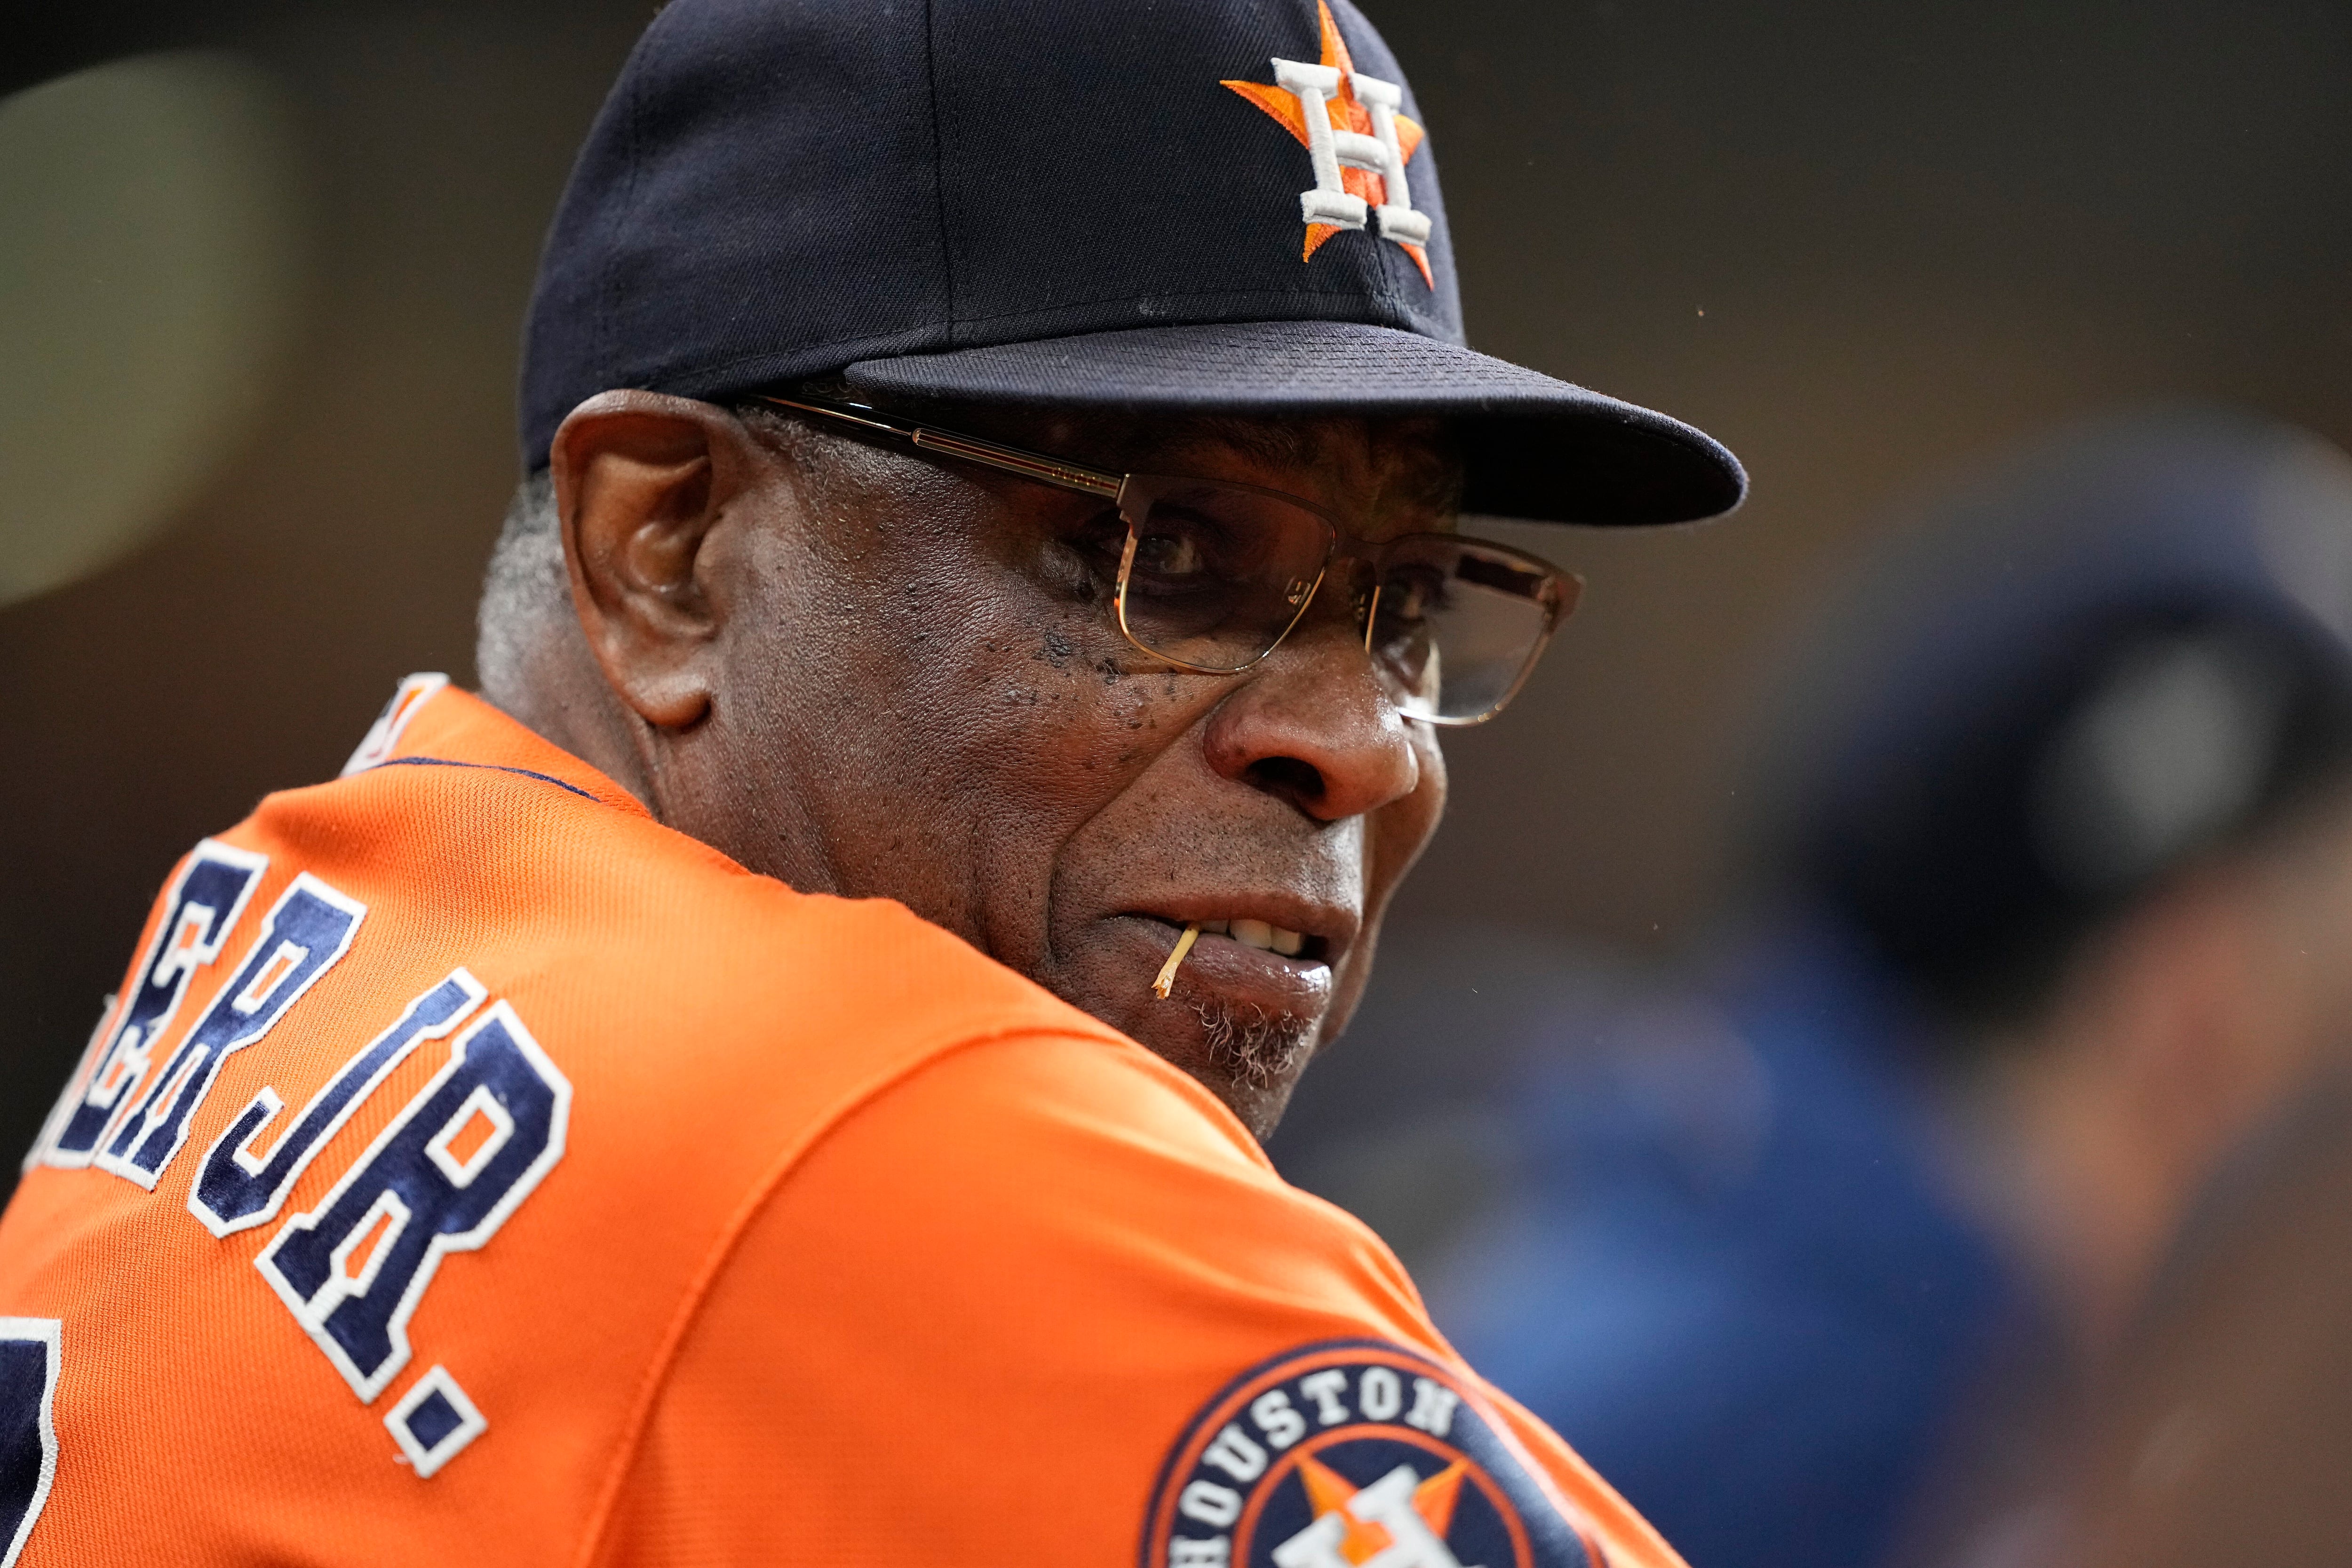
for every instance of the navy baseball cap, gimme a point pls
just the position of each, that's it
(1218, 205)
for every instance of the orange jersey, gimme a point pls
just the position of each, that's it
(472, 1170)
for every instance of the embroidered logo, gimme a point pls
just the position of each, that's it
(1355, 1455)
(1357, 141)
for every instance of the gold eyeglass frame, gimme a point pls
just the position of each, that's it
(1558, 600)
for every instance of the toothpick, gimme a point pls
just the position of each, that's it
(1160, 987)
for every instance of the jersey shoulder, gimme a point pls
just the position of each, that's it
(1065, 1316)
(431, 1097)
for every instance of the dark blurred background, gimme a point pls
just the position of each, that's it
(1862, 244)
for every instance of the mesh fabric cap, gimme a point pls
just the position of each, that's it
(1050, 202)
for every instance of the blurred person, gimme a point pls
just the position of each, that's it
(2048, 872)
(2217, 1435)
(778, 1076)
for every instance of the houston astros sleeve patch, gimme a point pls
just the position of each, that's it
(1351, 1454)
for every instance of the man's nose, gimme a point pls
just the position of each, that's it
(1313, 724)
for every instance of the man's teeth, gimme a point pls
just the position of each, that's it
(1259, 934)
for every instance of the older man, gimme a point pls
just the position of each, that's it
(962, 682)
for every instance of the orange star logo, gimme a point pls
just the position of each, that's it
(1329, 1492)
(1362, 151)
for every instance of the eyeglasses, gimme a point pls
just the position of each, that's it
(1214, 575)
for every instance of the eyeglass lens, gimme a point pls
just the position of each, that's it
(1217, 574)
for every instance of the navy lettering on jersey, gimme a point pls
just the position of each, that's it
(199, 910)
(311, 927)
(433, 1422)
(69, 1096)
(442, 1177)
(236, 1189)
(28, 1436)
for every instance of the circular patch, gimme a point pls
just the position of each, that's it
(1352, 1455)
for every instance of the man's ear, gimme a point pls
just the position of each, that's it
(641, 480)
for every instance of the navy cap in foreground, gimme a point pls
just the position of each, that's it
(1228, 205)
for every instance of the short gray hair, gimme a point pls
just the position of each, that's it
(525, 586)
(527, 591)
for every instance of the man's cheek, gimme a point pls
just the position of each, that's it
(1050, 762)
(1110, 726)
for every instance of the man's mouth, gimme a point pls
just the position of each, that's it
(1298, 950)
(1261, 934)
(1246, 959)
(1259, 991)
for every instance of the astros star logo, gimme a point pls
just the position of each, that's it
(1398, 1521)
(1353, 1453)
(1356, 140)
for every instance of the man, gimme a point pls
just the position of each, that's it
(2048, 886)
(613, 1152)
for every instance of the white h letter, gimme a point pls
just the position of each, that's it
(1328, 148)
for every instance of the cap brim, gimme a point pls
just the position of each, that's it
(1532, 447)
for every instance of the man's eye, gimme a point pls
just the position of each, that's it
(1082, 561)
(1169, 555)
(1105, 532)
(1098, 543)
